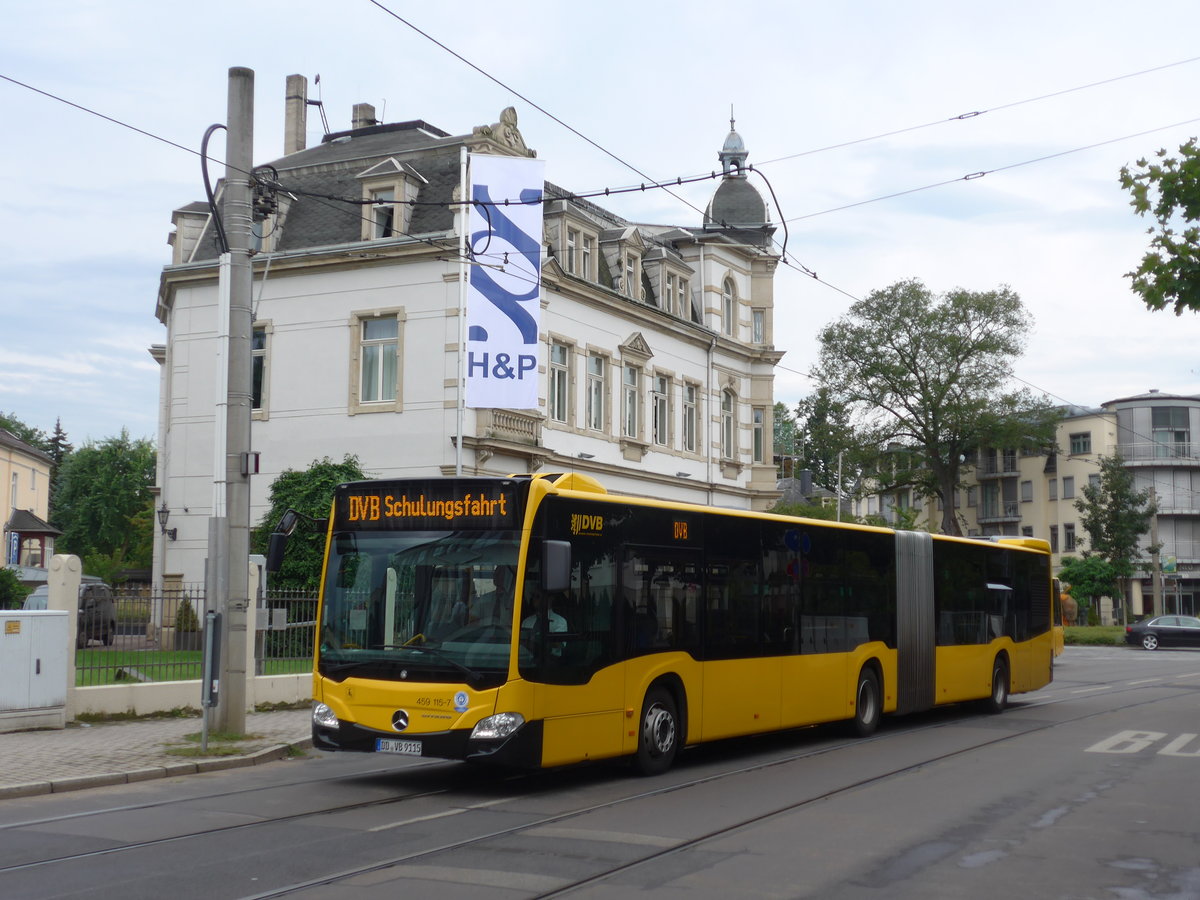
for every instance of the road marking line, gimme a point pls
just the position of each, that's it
(1103, 687)
(439, 815)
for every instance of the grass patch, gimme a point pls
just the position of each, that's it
(213, 750)
(282, 706)
(220, 743)
(222, 737)
(1094, 635)
(179, 712)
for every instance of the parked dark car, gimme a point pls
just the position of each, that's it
(97, 612)
(1164, 631)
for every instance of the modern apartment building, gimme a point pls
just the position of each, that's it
(1018, 494)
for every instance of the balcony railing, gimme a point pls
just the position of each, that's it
(1008, 510)
(1155, 451)
(1001, 467)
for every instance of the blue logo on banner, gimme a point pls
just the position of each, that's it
(502, 227)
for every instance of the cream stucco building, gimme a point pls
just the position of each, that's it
(656, 357)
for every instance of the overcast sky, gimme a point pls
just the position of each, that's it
(85, 204)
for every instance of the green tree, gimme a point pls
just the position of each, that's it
(309, 492)
(12, 592)
(827, 439)
(1090, 577)
(105, 505)
(59, 449)
(929, 375)
(806, 510)
(1168, 190)
(785, 438)
(1115, 516)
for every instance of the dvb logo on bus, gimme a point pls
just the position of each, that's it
(581, 524)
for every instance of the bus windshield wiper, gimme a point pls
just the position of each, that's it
(473, 677)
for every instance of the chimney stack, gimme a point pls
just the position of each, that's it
(295, 119)
(364, 116)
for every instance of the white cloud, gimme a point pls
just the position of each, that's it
(86, 204)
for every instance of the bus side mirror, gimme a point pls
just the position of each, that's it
(275, 550)
(556, 565)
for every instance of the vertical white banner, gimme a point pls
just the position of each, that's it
(504, 290)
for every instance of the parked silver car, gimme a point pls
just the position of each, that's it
(97, 612)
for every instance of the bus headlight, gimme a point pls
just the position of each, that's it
(324, 716)
(497, 727)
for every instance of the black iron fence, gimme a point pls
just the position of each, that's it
(159, 636)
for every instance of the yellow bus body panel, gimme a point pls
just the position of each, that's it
(740, 696)
(964, 672)
(814, 688)
(431, 707)
(582, 721)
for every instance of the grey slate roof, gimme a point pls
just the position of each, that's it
(8, 439)
(25, 522)
(331, 170)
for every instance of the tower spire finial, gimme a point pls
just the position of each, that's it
(731, 128)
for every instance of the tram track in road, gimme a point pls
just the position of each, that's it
(177, 801)
(452, 785)
(660, 853)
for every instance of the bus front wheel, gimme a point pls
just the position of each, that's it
(658, 737)
(867, 705)
(998, 699)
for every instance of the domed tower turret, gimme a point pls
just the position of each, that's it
(737, 208)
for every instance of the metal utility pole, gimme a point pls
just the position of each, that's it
(238, 219)
(1156, 604)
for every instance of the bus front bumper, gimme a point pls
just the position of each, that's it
(522, 749)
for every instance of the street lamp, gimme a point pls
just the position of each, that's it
(163, 515)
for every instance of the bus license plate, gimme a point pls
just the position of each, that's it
(406, 748)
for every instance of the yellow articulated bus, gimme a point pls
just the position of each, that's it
(541, 621)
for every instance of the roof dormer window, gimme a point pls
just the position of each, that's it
(383, 213)
(389, 189)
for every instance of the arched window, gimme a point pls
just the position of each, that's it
(727, 424)
(728, 307)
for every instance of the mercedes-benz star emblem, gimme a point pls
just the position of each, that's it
(400, 720)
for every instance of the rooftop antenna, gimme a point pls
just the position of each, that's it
(319, 103)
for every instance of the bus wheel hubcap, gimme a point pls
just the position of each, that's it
(659, 730)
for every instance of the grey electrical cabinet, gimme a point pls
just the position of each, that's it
(33, 669)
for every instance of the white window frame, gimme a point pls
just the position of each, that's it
(759, 428)
(597, 391)
(383, 217)
(728, 307)
(631, 279)
(758, 326)
(558, 383)
(587, 253)
(662, 410)
(631, 386)
(572, 250)
(358, 324)
(261, 358)
(728, 424)
(691, 406)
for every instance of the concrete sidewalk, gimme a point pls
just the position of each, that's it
(84, 756)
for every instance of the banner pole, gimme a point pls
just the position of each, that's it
(462, 308)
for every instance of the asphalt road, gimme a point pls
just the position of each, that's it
(1086, 789)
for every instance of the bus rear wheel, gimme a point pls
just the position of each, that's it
(998, 699)
(867, 705)
(658, 737)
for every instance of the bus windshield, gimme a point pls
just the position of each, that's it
(419, 606)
